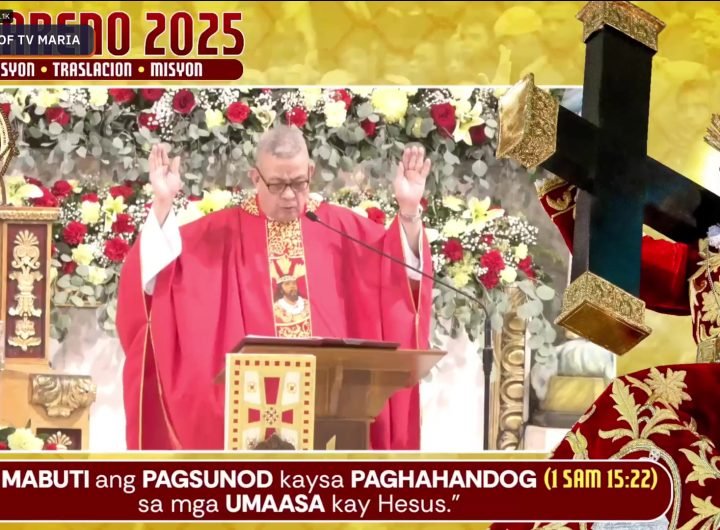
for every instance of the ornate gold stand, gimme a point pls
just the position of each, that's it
(56, 405)
(508, 412)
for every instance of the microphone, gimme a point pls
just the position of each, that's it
(487, 349)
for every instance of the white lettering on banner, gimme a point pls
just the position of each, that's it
(310, 482)
(45, 478)
(207, 478)
(268, 503)
(443, 478)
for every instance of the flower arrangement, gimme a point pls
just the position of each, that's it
(356, 136)
(478, 248)
(107, 132)
(23, 439)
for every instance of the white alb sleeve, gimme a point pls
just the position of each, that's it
(410, 258)
(159, 247)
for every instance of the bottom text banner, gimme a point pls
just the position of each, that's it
(307, 490)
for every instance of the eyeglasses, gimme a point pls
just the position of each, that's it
(277, 188)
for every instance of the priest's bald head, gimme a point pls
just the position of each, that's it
(282, 173)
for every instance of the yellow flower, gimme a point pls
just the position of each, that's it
(311, 95)
(461, 279)
(369, 204)
(114, 205)
(96, 275)
(98, 96)
(467, 118)
(454, 228)
(265, 116)
(47, 98)
(521, 251)
(90, 212)
(480, 213)
(391, 103)
(335, 113)
(24, 440)
(360, 211)
(19, 191)
(456, 204)
(508, 275)
(214, 200)
(189, 214)
(83, 254)
(75, 185)
(214, 118)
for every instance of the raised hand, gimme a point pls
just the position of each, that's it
(164, 178)
(410, 180)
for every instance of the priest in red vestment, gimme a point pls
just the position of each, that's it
(189, 294)
(667, 413)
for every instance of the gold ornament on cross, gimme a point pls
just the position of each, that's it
(8, 149)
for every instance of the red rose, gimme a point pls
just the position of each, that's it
(238, 112)
(121, 191)
(152, 94)
(36, 182)
(122, 95)
(50, 447)
(116, 249)
(194, 198)
(57, 115)
(147, 120)
(90, 197)
(343, 95)
(488, 239)
(53, 250)
(74, 233)
(4, 446)
(184, 102)
(477, 134)
(48, 200)
(297, 116)
(61, 189)
(453, 250)
(493, 262)
(443, 115)
(370, 127)
(526, 266)
(123, 224)
(376, 214)
(424, 204)
(69, 267)
(5, 109)
(490, 280)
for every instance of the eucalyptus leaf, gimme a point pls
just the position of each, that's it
(82, 271)
(77, 301)
(55, 128)
(87, 290)
(81, 151)
(545, 292)
(479, 168)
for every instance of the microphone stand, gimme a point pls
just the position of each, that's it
(487, 354)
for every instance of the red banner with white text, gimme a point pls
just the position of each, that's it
(306, 490)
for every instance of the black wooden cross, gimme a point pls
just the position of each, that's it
(604, 153)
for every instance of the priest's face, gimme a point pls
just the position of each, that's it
(283, 185)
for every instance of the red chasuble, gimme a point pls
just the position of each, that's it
(241, 274)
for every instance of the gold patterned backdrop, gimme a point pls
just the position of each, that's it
(424, 43)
